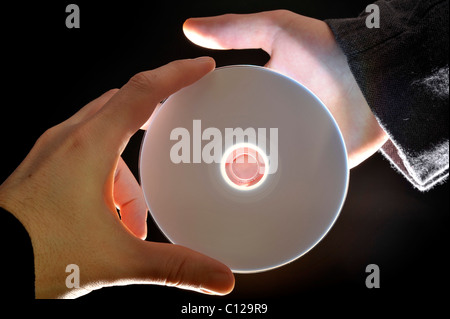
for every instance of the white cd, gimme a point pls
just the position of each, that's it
(246, 166)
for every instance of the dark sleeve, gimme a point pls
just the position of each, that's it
(17, 262)
(402, 70)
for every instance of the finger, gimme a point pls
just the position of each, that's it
(129, 198)
(234, 31)
(92, 107)
(133, 104)
(178, 266)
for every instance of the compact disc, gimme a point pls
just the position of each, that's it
(246, 166)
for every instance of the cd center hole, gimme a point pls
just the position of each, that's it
(245, 167)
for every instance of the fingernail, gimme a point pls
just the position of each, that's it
(203, 59)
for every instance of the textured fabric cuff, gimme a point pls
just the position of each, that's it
(402, 70)
(422, 172)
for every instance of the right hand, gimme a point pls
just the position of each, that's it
(66, 191)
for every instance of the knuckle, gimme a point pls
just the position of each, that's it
(76, 138)
(280, 16)
(280, 13)
(143, 81)
(49, 136)
(178, 67)
(177, 64)
(177, 267)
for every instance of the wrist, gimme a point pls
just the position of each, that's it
(17, 257)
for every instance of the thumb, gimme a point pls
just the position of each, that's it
(177, 266)
(133, 104)
(235, 31)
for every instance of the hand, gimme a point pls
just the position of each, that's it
(66, 191)
(305, 50)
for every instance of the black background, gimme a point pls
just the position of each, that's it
(50, 71)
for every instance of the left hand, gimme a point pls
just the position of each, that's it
(304, 49)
